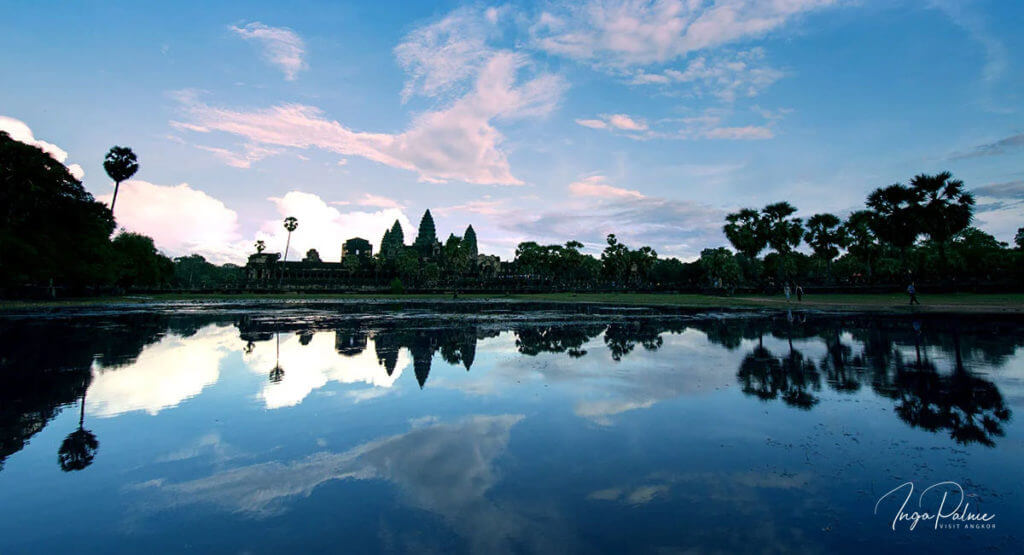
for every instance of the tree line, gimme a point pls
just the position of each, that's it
(55, 235)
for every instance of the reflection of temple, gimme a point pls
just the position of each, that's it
(924, 368)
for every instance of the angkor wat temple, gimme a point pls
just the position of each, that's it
(358, 266)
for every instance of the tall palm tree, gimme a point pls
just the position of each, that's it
(825, 235)
(861, 237)
(78, 450)
(121, 164)
(897, 216)
(784, 232)
(946, 208)
(291, 224)
(277, 373)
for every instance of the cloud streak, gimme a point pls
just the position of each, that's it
(458, 143)
(281, 46)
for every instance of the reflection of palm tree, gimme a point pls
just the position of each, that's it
(78, 450)
(790, 378)
(277, 373)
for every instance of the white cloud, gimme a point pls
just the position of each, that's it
(324, 228)
(455, 143)
(281, 46)
(592, 123)
(180, 219)
(245, 159)
(673, 227)
(443, 55)
(629, 33)
(724, 77)
(21, 132)
(709, 125)
(377, 201)
(595, 186)
(749, 132)
(311, 366)
(164, 374)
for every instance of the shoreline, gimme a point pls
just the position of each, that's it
(895, 303)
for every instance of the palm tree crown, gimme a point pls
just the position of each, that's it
(121, 164)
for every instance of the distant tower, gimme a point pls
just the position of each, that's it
(426, 241)
(469, 243)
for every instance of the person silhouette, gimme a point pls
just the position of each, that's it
(912, 292)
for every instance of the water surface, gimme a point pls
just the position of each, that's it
(502, 428)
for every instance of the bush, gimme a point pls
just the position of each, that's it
(397, 287)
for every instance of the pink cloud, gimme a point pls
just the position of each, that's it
(595, 186)
(626, 123)
(628, 33)
(459, 142)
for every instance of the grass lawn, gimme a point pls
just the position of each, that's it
(895, 302)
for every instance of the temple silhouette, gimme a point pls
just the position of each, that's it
(357, 262)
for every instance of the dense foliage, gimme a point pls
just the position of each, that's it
(54, 234)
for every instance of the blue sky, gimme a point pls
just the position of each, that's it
(532, 121)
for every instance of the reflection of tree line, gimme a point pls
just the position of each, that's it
(968, 407)
(47, 365)
(894, 358)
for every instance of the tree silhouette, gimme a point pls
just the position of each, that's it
(260, 246)
(121, 164)
(861, 240)
(747, 231)
(946, 208)
(897, 216)
(825, 235)
(290, 224)
(277, 373)
(78, 449)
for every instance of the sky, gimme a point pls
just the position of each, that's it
(535, 121)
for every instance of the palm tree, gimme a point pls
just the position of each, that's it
(747, 232)
(946, 208)
(121, 164)
(291, 224)
(260, 246)
(783, 232)
(78, 450)
(861, 240)
(825, 235)
(897, 216)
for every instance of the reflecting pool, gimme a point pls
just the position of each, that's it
(501, 427)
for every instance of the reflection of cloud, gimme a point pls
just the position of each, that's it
(309, 367)
(445, 468)
(687, 364)
(210, 444)
(165, 373)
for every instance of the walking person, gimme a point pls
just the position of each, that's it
(787, 291)
(912, 291)
(799, 292)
